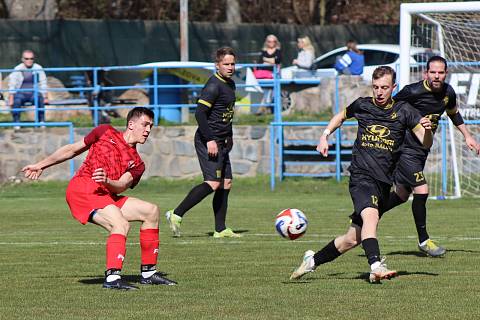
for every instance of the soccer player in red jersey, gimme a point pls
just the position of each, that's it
(111, 167)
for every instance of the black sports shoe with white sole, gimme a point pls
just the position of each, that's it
(156, 278)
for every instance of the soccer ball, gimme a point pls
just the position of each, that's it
(291, 223)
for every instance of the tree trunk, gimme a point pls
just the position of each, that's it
(322, 10)
(233, 12)
(31, 9)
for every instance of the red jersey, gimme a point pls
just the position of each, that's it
(109, 150)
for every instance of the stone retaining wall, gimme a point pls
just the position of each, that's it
(169, 151)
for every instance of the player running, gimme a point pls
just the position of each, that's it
(431, 97)
(213, 142)
(111, 167)
(382, 125)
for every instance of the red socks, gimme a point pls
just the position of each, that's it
(149, 246)
(116, 251)
(116, 248)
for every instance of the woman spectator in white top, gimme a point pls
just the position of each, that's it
(306, 53)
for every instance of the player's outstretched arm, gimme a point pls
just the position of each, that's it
(469, 140)
(333, 125)
(115, 186)
(424, 132)
(33, 171)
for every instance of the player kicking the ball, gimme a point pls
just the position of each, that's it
(382, 124)
(111, 167)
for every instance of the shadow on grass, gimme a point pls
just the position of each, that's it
(128, 278)
(210, 234)
(203, 235)
(294, 282)
(462, 250)
(360, 276)
(407, 253)
(365, 275)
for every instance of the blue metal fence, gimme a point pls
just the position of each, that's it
(154, 85)
(277, 151)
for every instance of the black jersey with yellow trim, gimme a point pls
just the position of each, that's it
(381, 131)
(218, 95)
(430, 104)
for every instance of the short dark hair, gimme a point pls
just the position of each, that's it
(436, 58)
(222, 52)
(382, 71)
(137, 112)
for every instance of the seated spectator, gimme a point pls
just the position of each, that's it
(352, 62)
(22, 78)
(306, 53)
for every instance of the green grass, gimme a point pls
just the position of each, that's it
(51, 267)
(85, 121)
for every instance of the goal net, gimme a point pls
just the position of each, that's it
(451, 30)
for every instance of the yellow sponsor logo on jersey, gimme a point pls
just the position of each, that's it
(376, 137)
(446, 100)
(378, 130)
(228, 116)
(394, 115)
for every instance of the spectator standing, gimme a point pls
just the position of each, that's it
(270, 55)
(23, 78)
(352, 62)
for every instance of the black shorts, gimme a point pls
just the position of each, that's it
(214, 168)
(366, 192)
(409, 171)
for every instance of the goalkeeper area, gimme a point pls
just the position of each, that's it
(51, 267)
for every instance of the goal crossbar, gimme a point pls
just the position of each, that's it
(406, 11)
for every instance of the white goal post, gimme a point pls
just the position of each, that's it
(451, 29)
(406, 12)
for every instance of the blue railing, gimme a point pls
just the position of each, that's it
(342, 148)
(155, 103)
(278, 144)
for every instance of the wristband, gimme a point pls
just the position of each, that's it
(326, 132)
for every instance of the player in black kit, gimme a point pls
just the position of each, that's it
(382, 124)
(213, 142)
(431, 97)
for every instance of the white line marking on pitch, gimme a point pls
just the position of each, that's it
(247, 238)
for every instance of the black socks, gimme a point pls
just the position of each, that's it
(372, 250)
(419, 210)
(220, 205)
(327, 254)
(197, 194)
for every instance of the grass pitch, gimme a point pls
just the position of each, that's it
(51, 267)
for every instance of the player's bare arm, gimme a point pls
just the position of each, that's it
(424, 132)
(457, 120)
(69, 151)
(114, 186)
(470, 141)
(333, 125)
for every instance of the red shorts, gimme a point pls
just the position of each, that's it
(85, 196)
